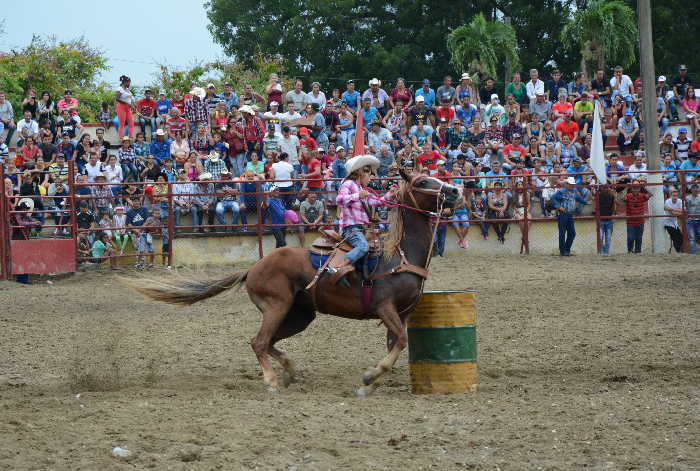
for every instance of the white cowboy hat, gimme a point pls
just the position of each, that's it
(375, 81)
(28, 202)
(246, 109)
(466, 76)
(160, 132)
(214, 156)
(360, 161)
(199, 91)
(205, 176)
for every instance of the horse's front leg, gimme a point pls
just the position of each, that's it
(388, 314)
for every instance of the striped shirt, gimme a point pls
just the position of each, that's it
(353, 210)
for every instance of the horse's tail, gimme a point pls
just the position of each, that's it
(188, 291)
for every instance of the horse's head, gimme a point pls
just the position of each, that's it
(427, 193)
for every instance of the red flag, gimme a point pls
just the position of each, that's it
(358, 145)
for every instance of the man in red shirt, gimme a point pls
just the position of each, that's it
(306, 145)
(445, 111)
(315, 176)
(695, 145)
(442, 173)
(428, 159)
(514, 151)
(569, 128)
(635, 199)
(519, 172)
(176, 123)
(178, 101)
(146, 109)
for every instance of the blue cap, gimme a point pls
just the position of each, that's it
(683, 130)
(629, 113)
(426, 82)
(65, 133)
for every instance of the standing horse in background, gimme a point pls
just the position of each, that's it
(277, 283)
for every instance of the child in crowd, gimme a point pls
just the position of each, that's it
(460, 223)
(83, 247)
(121, 238)
(145, 243)
(165, 245)
(105, 116)
(102, 249)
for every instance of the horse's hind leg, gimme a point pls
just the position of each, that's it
(297, 319)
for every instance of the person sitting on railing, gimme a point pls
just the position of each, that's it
(59, 191)
(229, 199)
(85, 219)
(183, 199)
(205, 202)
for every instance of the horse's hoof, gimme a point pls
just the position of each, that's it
(273, 389)
(368, 377)
(363, 392)
(287, 379)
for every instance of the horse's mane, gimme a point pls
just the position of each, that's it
(393, 237)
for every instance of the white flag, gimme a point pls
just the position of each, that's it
(597, 160)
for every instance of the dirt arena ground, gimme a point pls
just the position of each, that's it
(585, 362)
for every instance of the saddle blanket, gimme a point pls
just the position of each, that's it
(318, 260)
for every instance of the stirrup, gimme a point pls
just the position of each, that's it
(340, 273)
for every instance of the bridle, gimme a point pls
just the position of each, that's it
(411, 188)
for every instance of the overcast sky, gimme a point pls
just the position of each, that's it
(151, 29)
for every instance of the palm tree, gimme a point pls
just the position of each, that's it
(606, 31)
(478, 46)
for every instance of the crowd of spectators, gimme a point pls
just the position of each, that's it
(222, 146)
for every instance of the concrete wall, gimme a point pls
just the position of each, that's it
(237, 249)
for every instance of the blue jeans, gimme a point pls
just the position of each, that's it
(663, 125)
(194, 211)
(606, 230)
(129, 169)
(358, 242)
(151, 123)
(163, 210)
(673, 107)
(345, 138)
(439, 244)
(222, 207)
(567, 232)
(634, 238)
(237, 163)
(693, 233)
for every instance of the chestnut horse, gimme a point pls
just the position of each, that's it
(276, 284)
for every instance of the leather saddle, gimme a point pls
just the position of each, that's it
(330, 240)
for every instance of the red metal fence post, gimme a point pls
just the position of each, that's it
(258, 203)
(4, 229)
(171, 223)
(684, 209)
(73, 207)
(598, 241)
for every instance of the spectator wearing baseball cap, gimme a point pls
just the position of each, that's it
(350, 95)
(628, 132)
(427, 93)
(680, 83)
(274, 117)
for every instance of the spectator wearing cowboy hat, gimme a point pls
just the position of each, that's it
(253, 131)
(214, 165)
(160, 147)
(196, 110)
(229, 199)
(205, 202)
(564, 202)
(377, 96)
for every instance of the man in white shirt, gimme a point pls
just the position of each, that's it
(638, 166)
(29, 124)
(534, 85)
(289, 116)
(622, 85)
(281, 170)
(273, 117)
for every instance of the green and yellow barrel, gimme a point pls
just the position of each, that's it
(442, 343)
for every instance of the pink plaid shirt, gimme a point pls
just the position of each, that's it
(353, 210)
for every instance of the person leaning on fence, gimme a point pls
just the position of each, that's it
(229, 199)
(606, 208)
(498, 204)
(564, 202)
(692, 206)
(673, 206)
(635, 198)
(103, 249)
(275, 209)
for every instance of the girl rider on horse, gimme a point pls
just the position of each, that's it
(353, 198)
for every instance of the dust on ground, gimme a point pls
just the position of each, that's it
(585, 362)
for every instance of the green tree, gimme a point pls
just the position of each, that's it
(47, 64)
(481, 45)
(605, 31)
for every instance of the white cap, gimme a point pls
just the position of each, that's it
(440, 162)
(339, 148)
(274, 103)
(420, 98)
(211, 85)
(160, 132)
(662, 78)
(375, 81)
(494, 96)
